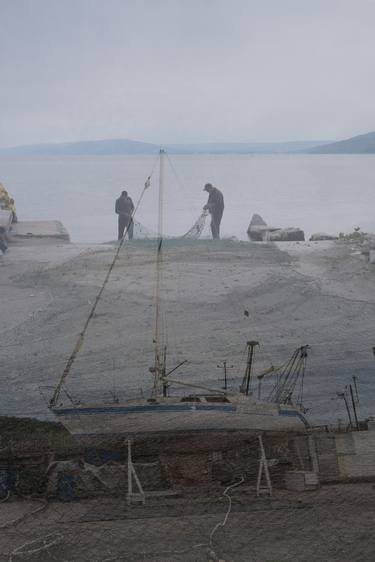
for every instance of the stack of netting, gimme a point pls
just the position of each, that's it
(143, 233)
(194, 233)
(196, 230)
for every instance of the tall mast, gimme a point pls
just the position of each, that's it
(159, 355)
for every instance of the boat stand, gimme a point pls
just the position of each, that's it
(139, 496)
(263, 467)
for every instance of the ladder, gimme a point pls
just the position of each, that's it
(263, 469)
(138, 496)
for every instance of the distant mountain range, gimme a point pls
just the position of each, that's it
(361, 144)
(125, 146)
(244, 148)
(82, 148)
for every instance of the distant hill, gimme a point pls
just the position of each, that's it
(244, 148)
(82, 148)
(125, 146)
(361, 144)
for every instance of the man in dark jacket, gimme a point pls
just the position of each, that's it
(124, 208)
(215, 206)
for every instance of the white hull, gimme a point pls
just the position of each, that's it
(142, 418)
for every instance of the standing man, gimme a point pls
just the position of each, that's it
(215, 206)
(124, 208)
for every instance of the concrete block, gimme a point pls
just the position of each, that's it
(364, 442)
(328, 467)
(345, 444)
(301, 480)
(40, 229)
(357, 466)
(325, 444)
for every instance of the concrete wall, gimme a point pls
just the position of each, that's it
(325, 446)
(343, 456)
(356, 454)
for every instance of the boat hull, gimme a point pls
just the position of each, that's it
(108, 423)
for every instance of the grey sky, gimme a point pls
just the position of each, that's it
(186, 70)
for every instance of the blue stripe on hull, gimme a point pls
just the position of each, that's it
(157, 408)
(152, 408)
(173, 432)
(294, 413)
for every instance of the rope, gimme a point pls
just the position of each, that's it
(37, 545)
(96, 302)
(229, 498)
(25, 515)
(212, 555)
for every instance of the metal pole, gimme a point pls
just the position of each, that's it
(356, 389)
(225, 368)
(251, 345)
(263, 465)
(130, 475)
(163, 372)
(313, 454)
(354, 408)
(347, 409)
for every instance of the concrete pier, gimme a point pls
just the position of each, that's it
(40, 229)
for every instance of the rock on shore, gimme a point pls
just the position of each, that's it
(259, 231)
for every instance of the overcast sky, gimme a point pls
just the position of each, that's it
(186, 70)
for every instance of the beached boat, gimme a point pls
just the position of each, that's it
(172, 415)
(208, 410)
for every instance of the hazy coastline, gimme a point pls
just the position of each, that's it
(318, 193)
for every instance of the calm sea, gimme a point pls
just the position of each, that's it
(316, 193)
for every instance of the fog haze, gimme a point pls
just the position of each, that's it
(170, 71)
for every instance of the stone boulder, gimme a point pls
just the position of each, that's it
(318, 236)
(368, 248)
(259, 231)
(287, 235)
(370, 241)
(256, 228)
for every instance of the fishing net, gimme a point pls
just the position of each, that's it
(141, 232)
(196, 230)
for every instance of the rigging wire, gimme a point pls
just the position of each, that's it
(198, 227)
(81, 337)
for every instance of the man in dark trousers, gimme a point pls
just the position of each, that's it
(124, 208)
(215, 206)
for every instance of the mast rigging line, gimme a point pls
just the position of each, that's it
(160, 357)
(82, 334)
(196, 230)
